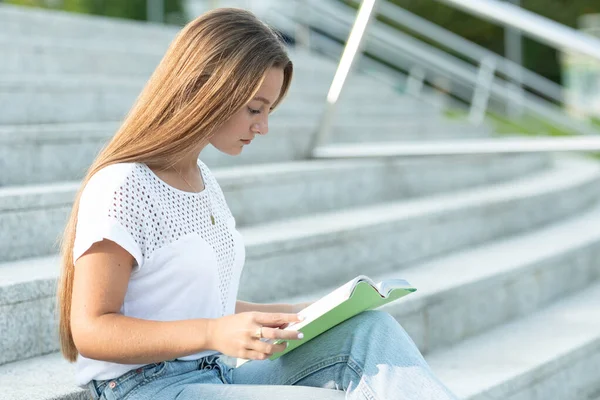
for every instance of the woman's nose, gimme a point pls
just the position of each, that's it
(261, 128)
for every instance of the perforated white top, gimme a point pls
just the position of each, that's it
(186, 267)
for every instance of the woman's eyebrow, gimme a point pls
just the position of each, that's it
(259, 98)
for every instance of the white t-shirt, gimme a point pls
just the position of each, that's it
(186, 267)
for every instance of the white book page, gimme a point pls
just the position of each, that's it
(385, 287)
(326, 303)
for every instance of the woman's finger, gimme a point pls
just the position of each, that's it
(254, 355)
(276, 333)
(275, 319)
(267, 348)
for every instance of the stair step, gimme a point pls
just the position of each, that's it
(38, 99)
(46, 55)
(51, 378)
(440, 307)
(470, 291)
(49, 56)
(386, 236)
(48, 377)
(358, 85)
(27, 21)
(44, 153)
(383, 238)
(277, 190)
(552, 354)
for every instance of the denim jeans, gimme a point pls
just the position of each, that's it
(369, 356)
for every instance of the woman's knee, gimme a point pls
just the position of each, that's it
(374, 320)
(378, 317)
(378, 326)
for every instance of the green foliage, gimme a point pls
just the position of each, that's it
(527, 125)
(129, 9)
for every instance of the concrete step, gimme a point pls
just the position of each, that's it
(47, 55)
(32, 217)
(48, 377)
(46, 153)
(387, 236)
(28, 21)
(553, 354)
(51, 378)
(441, 313)
(27, 99)
(468, 292)
(383, 238)
(78, 31)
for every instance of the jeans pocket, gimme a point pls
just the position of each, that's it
(129, 383)
(147, 374)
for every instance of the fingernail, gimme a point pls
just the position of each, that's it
(301, 317)
(301, 335)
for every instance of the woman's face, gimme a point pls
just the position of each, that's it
(252, 118)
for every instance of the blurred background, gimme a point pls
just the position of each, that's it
(452, 143)
(578, 74)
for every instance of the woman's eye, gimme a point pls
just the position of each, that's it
(253, 111)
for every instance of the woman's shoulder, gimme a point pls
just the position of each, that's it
(203, 167)
(116, 171)
(111, 178)
(207, 173)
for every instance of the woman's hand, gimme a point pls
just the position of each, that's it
(296, 308)
(236, 335)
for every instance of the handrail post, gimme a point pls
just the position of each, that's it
(481, 95)
(353, 46)
(514, 105)
(155, 10)
(302, 34)
(415, 81)
(513, 51)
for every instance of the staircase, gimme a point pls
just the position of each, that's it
(504, 249)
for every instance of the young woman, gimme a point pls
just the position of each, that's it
(151, 258)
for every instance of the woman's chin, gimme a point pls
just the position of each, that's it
(233, 151)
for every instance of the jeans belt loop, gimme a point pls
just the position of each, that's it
(93, 391)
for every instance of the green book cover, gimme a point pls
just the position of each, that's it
(358, 295)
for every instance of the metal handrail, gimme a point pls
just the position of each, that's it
(460, 147)
(455, 68)
(390, 41)
(471, 50)
(353, 47)
(448, 65)
(531, 24)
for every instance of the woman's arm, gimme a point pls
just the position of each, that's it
(244, 306)
(102, 333)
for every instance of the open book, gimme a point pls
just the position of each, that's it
(358, 295)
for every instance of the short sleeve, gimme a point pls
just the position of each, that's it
(105, 213)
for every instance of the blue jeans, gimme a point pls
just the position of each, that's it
(369, 356)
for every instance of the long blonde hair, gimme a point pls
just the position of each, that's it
(213, 67)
